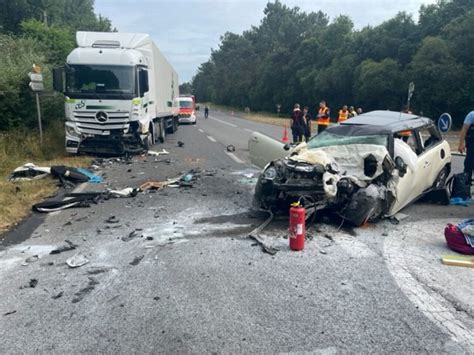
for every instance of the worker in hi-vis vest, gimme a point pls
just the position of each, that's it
(343, 114)
(323, 117)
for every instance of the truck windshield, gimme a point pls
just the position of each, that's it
(100, 81)
(186, 104)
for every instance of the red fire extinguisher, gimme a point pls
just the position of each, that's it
(297, 226)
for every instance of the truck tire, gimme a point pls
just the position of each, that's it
(162, 134)
(150, 140)
(173, 128)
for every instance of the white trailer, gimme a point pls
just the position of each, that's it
(120, 93)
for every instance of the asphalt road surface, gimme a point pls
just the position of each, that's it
(176, 273)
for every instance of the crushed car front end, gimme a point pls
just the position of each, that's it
(347, 169)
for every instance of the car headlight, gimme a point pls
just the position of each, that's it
(270, 173)
(304, 168)
(71, 130)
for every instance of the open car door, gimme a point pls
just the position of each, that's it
(263, 149)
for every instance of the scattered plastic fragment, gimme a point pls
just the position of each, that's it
(457, 260)
(70, 246)
(137, 260)
(155, 154)
(77, 260)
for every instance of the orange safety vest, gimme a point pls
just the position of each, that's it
(323, 116)
(343, 115)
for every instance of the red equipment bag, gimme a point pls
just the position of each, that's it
(456, 240)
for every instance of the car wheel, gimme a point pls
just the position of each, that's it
(440, 181)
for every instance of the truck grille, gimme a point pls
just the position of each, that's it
(87, 122)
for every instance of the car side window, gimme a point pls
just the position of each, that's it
(429, 137)
(409, 137)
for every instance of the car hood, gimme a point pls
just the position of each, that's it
(348, 160)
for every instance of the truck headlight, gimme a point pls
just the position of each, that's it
(71, 130)
(270, 173)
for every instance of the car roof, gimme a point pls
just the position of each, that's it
(185, 98)
(394, 121)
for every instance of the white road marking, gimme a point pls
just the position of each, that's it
(433, 305)
(235, 158)
(212, 139)
(249, 130)
(201, 130)
(227, 123)
(355, 248)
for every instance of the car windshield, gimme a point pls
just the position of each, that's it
(326, 139)
(186, 104)
(100, 80)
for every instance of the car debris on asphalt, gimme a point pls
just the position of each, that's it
(156, 154)
(68, 176)
(77, 260)
(68, 247)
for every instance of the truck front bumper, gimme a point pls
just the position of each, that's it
(114, 144)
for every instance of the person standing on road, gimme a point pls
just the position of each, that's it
(297, 124)
(206, 111)
(323, 117)
(466, 144)
(307, 121)
(343, 114)
(352, 112)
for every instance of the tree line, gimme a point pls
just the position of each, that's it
(293, 56)
(40, 32)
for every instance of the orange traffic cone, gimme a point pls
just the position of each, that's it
(285, 135)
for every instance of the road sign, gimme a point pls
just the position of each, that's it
(444, 123)
(36, 83)
(35, 86)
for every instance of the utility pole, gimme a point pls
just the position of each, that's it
(411, 89)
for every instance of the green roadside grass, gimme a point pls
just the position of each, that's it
(23, 146)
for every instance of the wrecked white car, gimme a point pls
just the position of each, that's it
(369, 167)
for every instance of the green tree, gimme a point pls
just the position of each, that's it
(439, 79)
(380, 85)
(56, 41)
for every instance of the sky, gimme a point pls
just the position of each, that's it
(186, 30)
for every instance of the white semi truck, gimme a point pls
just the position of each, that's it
(120, 93)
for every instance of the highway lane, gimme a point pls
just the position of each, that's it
(226, 129)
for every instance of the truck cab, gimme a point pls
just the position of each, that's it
(119, 94)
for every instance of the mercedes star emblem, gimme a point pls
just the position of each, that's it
(101, 117)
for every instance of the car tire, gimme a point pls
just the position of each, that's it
(442, 178)
(439, 192)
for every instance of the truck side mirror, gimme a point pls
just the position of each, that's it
(58, 79)
(144, 85)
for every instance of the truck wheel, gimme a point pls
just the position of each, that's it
(150, 139)
(173, 128)
(162, 134)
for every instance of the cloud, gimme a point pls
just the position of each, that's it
(187, 30)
